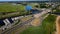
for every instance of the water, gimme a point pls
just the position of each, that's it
(35, 11)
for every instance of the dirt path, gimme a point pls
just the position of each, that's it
(35, 22)
(58, 25)
(38, 21)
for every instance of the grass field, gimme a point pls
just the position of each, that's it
(9, 7)
(47, 27)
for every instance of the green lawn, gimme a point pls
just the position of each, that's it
(9, 7)
(47, 27)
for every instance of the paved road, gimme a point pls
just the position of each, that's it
(17, 26)
(16, 18)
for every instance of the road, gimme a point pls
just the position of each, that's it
(17, 26)
(20, 18)
(39, 15)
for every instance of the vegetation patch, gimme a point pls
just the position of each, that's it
(47, 27)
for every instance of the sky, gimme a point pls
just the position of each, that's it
(22, 0)
(29, 0)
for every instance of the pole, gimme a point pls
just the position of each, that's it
(58, 25)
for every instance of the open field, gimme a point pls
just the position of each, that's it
(47, 27)
(35, 22)
(10, 7)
